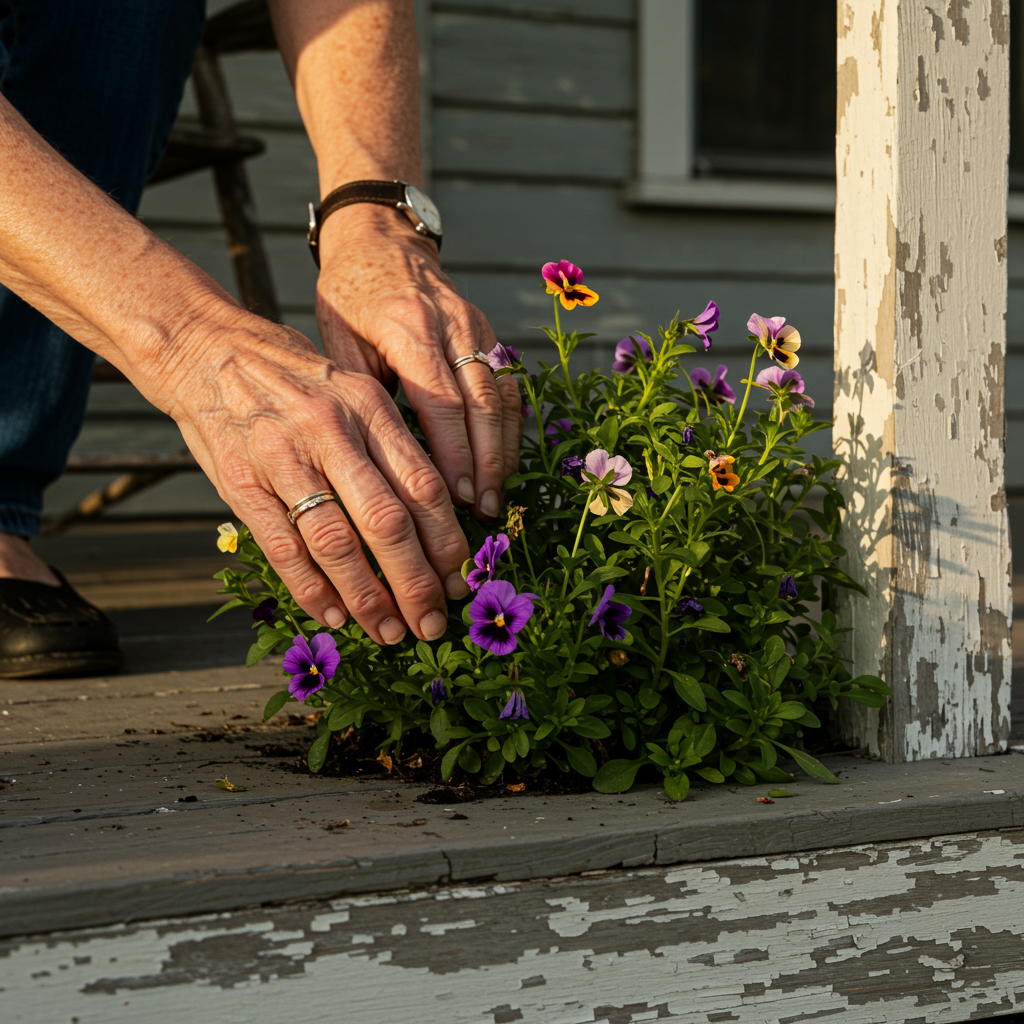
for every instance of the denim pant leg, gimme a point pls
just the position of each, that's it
(101, 81)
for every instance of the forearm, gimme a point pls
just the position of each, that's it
(354, 65)
(71, 252)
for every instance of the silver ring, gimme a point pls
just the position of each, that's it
(311, 501)
(475, 357)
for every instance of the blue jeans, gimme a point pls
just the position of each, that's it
(101, 81)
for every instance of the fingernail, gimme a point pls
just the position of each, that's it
(334, 617)
(433, 625)
(490, 503)
(466, 490)
(392, 630)
(455, 586)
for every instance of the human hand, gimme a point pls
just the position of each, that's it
(385, 308)
(271, 421)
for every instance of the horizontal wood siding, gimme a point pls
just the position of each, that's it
(532, 141)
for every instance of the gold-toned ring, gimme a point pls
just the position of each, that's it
(310, 501)
(475, 357)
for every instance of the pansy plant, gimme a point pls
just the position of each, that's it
(658, 600)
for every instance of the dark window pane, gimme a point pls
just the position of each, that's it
(766, 87)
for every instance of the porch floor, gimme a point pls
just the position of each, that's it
(109, 811)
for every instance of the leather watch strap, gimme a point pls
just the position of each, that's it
(381, 193)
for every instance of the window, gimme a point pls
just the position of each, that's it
(737, 105)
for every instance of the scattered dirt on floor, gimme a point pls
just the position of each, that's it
(353, 756)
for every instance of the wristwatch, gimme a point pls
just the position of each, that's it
(410, 199)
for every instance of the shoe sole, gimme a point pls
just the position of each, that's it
(60, 666)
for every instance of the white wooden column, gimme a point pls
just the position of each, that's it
(922, 139)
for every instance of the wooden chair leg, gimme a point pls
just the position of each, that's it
(252, 268)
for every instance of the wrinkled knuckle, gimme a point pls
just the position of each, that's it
(426, 488)
(285, 551)
(421, 590)
(487, 402)
(449, 403)
(364, 604)
(388, 521)
(331, 541)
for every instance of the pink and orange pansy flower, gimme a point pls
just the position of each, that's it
(779, 340)
(565, 280)
(722, 476)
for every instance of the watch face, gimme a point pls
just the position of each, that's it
(424, 208)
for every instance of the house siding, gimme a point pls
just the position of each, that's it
(531, 129)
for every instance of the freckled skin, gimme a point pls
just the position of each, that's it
(268, 418)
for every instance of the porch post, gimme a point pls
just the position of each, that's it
(922, 136)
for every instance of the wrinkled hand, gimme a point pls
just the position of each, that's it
(271, 421)
(385, 308)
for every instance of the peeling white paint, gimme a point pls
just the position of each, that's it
(920, 348)
(928, 930)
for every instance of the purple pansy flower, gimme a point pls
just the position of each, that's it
(572, 465)
(610, 615)
(487, 559)
(311, 664)
(501, 356)
(690, 606)
(628, 351)
(438, 691)
(688, 434)
(555, 427)
(515, 708)
(651, 493)
(264, 611)
(787, 588)
(784, 383)
(707, 322)
(498, 613)
(716, 389)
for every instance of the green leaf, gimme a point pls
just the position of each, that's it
(425, 654)
(276, 702)
(493, 767)
(871, 683)
(774, 649)
(773, 774)
(809, 764)
(676, 786)
(439, 724)
(712, 624)
(478, 709)
(866, 697)
(810, 719)
(661, 484)
(449, 760)
(522, 740)
(738, 699)
(616, 776)
(703, 739)
(744, 776)
(235, 602)
(710, 774)
(544, 730)
(508, 749)
(582, 761)
(779, 792)
(770, 570)
(318, 751)
(689, 689)
(592, 728)
(694, 462)
(648, 698)
(791, 709)
(266, 641)
(469, 760)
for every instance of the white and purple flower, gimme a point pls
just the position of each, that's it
(608, 474)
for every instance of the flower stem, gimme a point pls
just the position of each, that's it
(576, 546)
(746, 396)
(563, 358)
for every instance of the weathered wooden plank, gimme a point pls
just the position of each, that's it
(516, 61)
(509, 144)
(283, 179)
(920, 347)
(927, 930)
(259, 89)
(496, 224)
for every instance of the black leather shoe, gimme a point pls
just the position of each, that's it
(53, 631)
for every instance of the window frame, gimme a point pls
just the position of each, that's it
(666, 134)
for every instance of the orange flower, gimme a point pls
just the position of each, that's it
(566, 281)
(721, 473)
